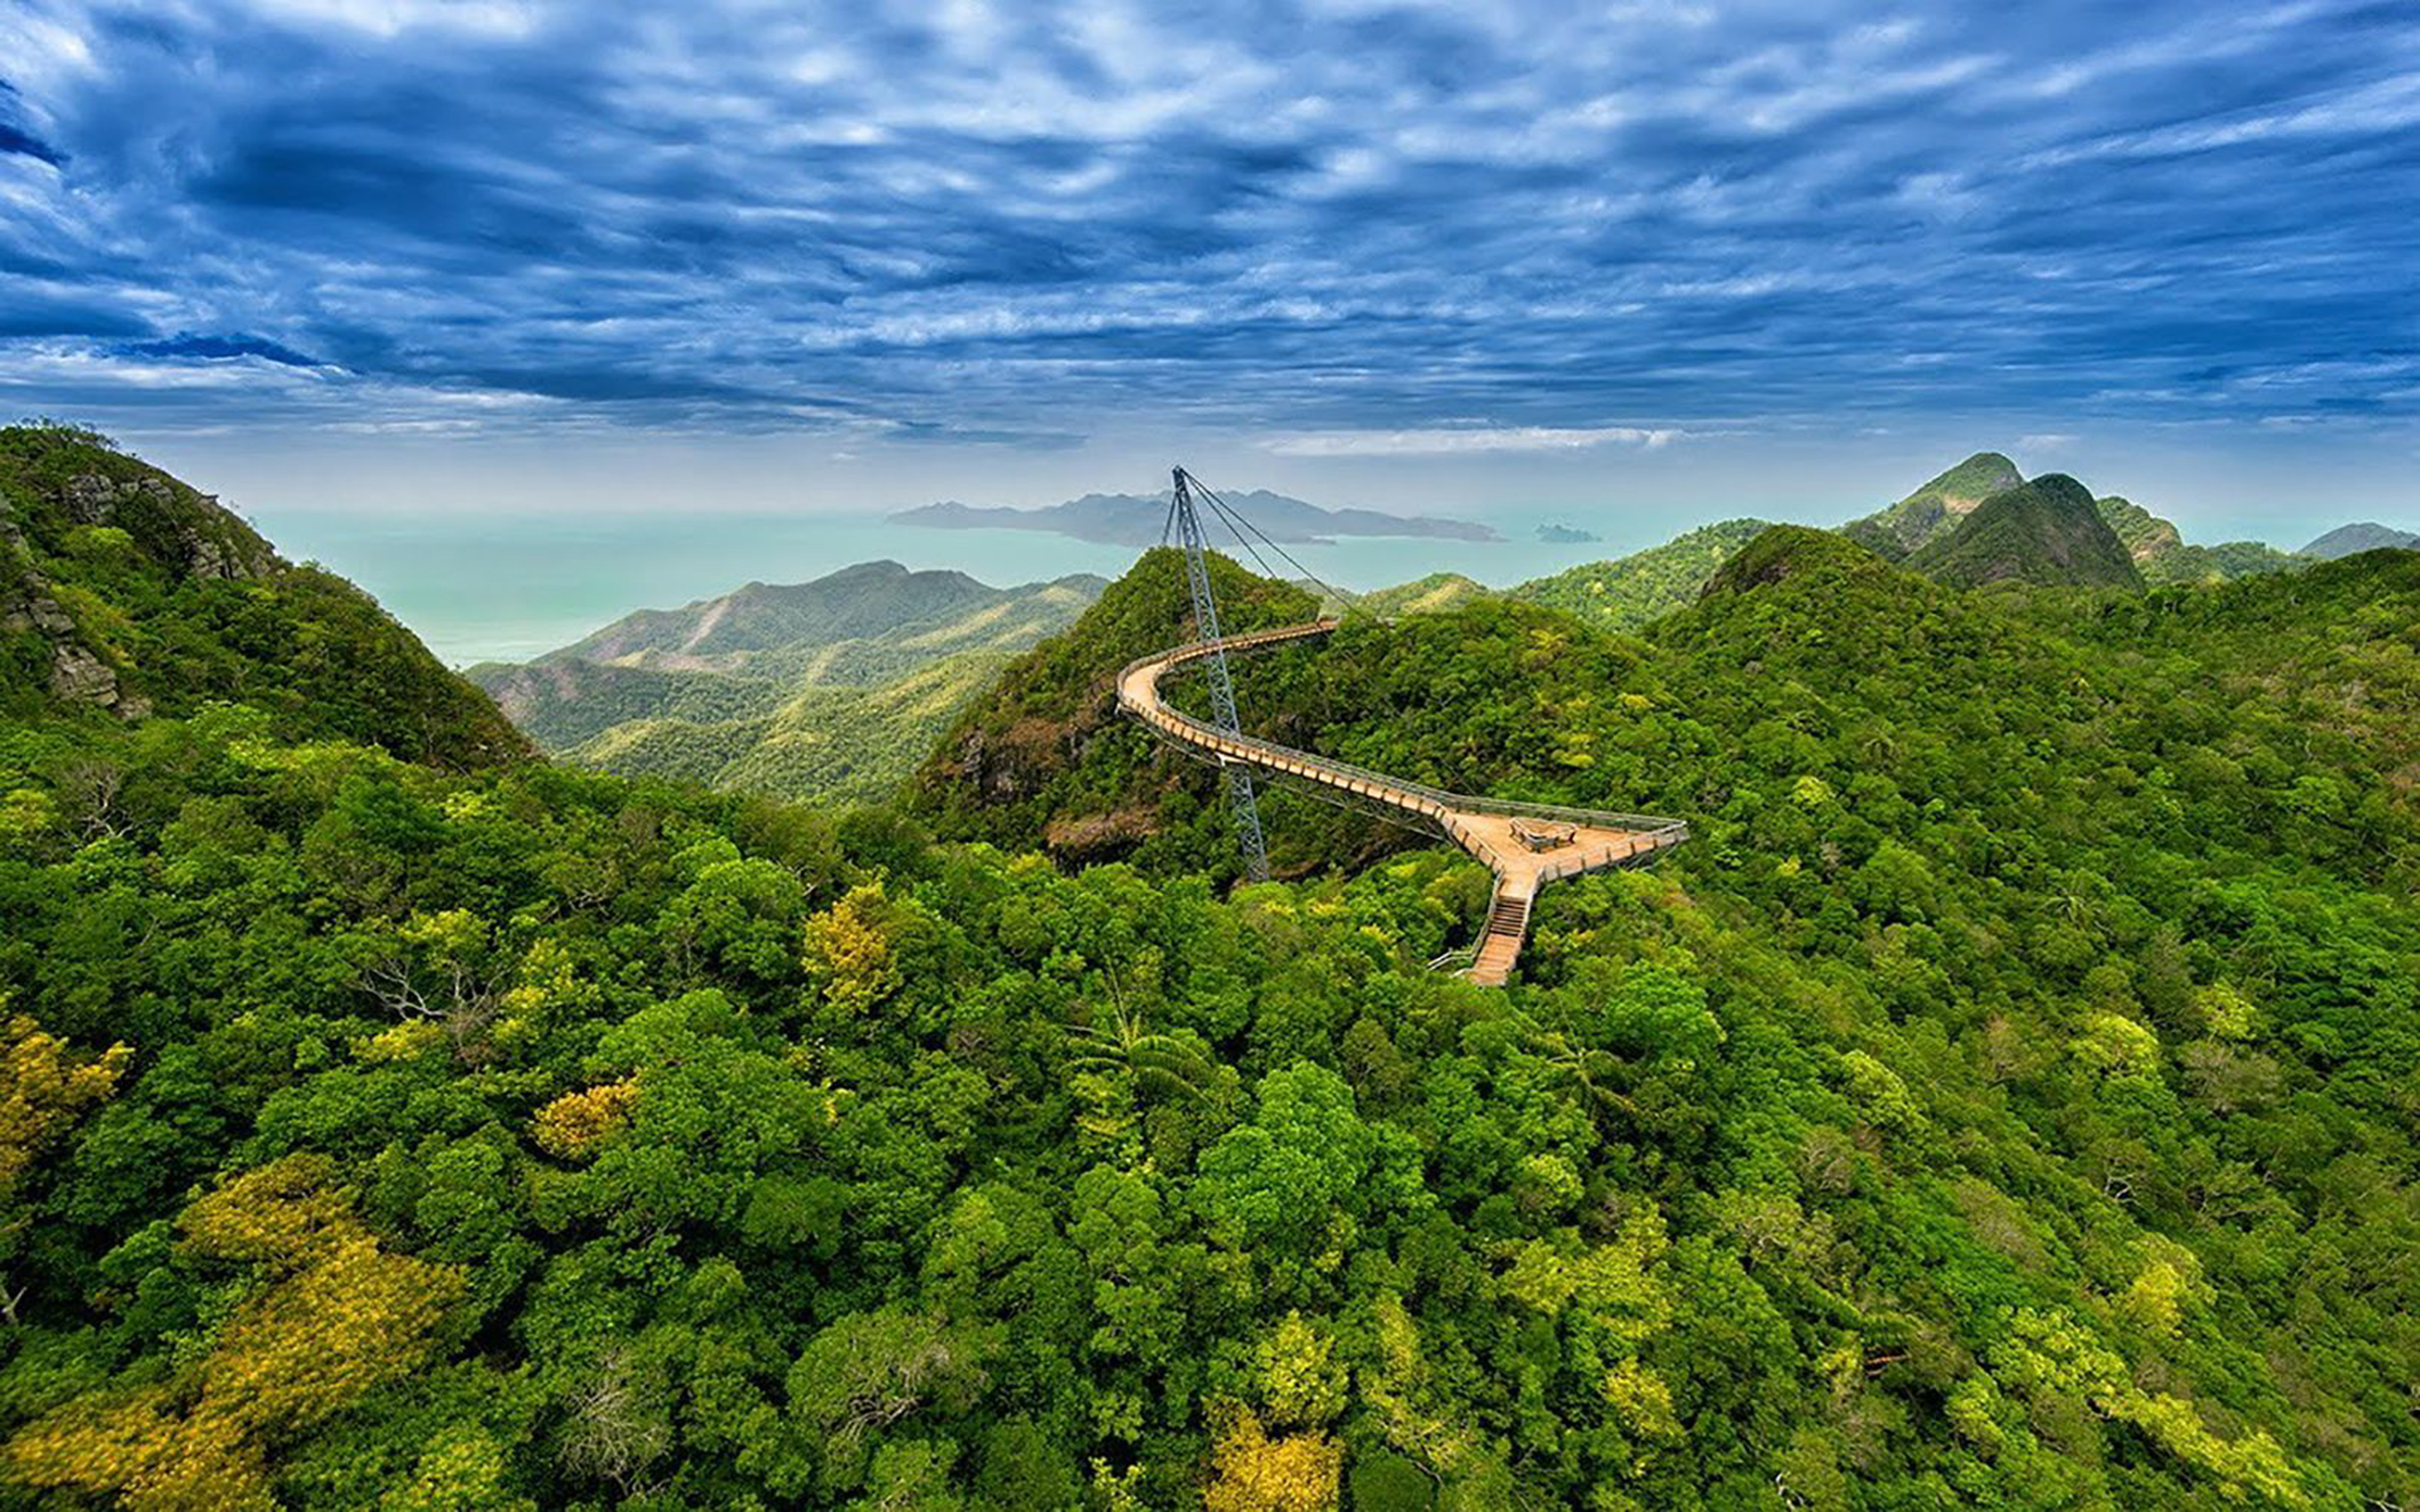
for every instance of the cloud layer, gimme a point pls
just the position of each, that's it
(1348, 229)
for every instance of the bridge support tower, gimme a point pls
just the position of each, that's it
(1240, 799)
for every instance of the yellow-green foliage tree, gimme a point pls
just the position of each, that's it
(44, 1088)
(570, 1125)
(1254, 1473)
(327, 1315)
(848, 951)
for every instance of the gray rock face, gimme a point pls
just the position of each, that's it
(95, 499)
(79, 677)
(207, 558)
(91, 499)
(44, 613)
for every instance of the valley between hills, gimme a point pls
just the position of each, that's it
(2005, 1098)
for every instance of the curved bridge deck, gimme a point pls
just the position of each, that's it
(1526, 844)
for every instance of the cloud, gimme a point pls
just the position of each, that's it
(18, 139)
(36, 311)
(388, 18)
(1339, 228)
(1457, 440)
(219, 349)
(25, 145)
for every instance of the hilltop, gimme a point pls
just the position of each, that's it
(2346, 540)
(128, 592)
(1934, 509)
(1042, 760)
(2046, 532)
(2145, 535)
(1781, 553)
(1423, 596)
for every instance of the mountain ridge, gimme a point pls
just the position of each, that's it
(2163, 555)
(865, 599)
(695, 691)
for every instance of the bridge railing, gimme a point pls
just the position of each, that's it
(1664, 832)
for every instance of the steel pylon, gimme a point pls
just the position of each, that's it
(1240, 799)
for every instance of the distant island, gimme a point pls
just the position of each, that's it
(1135, 519)
(1566, 536)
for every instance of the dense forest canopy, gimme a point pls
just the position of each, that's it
(2008, 1099)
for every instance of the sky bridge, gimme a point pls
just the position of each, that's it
(1526, 845)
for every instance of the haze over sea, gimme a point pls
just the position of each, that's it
(506, 587)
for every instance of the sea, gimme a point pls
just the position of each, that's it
(506, 588)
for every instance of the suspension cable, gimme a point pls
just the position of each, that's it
(1225, 509)
(1227, 516)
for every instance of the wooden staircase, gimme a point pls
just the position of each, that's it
(1508, 921)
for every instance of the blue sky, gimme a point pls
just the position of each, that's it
(395, 253)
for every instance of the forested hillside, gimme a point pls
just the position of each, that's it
(2163, 556)
(2109, 902)
(825, 742)
(828, 690)
(123, 591)
(1934, 509)
(2005, 1099)
(1044, 761)
(1644, 586)
(2046, 532)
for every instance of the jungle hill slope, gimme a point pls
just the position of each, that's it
(126, 592)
